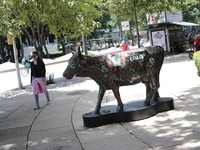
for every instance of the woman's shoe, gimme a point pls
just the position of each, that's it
(48, 102)
(36, 107)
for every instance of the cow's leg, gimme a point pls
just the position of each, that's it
(154, 83)
(117, 96)
(100, 98)
(148, 90)
(157, 95)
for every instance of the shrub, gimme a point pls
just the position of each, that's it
(196, 58)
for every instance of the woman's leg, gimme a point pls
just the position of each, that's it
(37, 106)
(36, 97)
(47, 96)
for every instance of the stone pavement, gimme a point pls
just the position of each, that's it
(59, 126)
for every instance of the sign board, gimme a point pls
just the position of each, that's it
(165, 16)
(171, 17)
(9, 41)
(158, 38)
(125, 25)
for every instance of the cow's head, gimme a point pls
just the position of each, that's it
(76, 64)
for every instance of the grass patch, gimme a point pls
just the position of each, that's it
(90, 53)
(106, 111)
(54, 53)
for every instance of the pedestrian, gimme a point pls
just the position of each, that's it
(124, 46)
(197, 42)
(38, 72)
(191, 42)
(99, 48)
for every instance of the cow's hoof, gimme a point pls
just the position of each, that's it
(146, 103)
(96, 111)
(120, 109)
(156, 100)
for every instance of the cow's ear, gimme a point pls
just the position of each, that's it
(83, 60)
(73, 52)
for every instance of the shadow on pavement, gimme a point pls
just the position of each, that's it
(177, 58)
(59, 83)
(175, 129)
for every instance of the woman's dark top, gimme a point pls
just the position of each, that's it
(38, 70)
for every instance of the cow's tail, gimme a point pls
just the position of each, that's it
(160, 54)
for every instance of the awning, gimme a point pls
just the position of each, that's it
(182, 23)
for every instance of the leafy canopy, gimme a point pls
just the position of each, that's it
(192, 12)
(63, 17)
(126, 7)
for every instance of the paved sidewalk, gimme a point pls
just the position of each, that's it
(59, 126)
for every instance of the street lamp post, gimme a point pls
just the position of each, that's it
(84, 44)
(20, 86)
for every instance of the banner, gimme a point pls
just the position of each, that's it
(158, 38)
(125, 25)
(165, 16)
(9, 40)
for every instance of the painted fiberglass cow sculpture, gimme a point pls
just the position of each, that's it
(110, 71)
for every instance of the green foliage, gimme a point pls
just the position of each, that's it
(54, 53)
(196, 58)
(133, 9)
(38, 17)
(74, 18)
(126, 7)
(192, 11)
(63, 17)
(62, 40)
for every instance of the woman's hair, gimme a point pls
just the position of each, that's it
(35, 52)
(39, 60)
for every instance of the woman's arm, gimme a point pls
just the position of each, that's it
(43, 69)
(31, 71)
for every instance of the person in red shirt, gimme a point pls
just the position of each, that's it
(124, 47)
(197, 42)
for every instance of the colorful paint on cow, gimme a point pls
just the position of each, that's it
(110, 71)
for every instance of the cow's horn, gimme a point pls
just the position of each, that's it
(79, 53)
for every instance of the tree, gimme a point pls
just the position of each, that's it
(131, 8)
(192, 13)
(103, 20)
(35, 17)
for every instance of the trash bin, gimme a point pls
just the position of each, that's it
(50, 78)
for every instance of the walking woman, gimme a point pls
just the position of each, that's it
(38, 72)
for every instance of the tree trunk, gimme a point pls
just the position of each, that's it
(136, 25)
(45, 33)
(35, 40)
(132, 33)
(39, 49)
(121, 32)
(20, 86)
(120, 28)
(46, 50)
(36, 35)
(2, 54)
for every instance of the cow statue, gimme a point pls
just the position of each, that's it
(112, 70)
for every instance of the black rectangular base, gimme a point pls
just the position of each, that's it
(133, 111)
